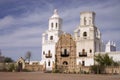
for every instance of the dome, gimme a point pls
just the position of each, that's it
(55, 15)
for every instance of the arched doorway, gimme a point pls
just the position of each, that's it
(65, 63)
(65, 66)
(20, 66)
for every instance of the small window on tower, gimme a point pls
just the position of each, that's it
(85, 34)
(52, 25)
(49, 63)
(49, 53)
(56, 25)
(83, 63)
(90, 51)
(43, 52)
(51, 37)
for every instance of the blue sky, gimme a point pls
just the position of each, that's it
(22, 22)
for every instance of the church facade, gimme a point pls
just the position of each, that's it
(61, 50)
(65, 53)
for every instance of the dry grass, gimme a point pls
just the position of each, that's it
(54, 76)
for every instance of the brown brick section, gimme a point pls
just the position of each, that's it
(65, 54)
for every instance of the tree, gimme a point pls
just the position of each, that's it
(102, 61)
(8, 60)
(28, 56)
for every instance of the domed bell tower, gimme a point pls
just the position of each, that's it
(49, 40)
(55, 22)
(88, 39)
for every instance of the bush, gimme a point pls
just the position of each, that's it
(8, 60)
(97, 69)
(55, 71)
(11, 67)
(84, 72)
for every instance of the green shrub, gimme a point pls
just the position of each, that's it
(97, 69)
(56, 71)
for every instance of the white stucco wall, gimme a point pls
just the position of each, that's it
(88, 61)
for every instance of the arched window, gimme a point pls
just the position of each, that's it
(49, 63)
(90, 51)
(43, 52)
(83, 63)
(65, 51)
(65, 63)
(49, 52)
(85, 34)
(52, 25)
(83, 51)
(56, 25)
(51, 37)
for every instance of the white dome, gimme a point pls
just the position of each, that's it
(55, 15)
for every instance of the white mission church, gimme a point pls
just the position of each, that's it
(86, 36)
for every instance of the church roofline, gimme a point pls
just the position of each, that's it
(84, 12)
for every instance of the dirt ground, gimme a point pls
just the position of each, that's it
(54, 76)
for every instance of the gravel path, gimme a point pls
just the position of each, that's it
(54, 76)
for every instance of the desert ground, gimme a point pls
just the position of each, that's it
(54, 76)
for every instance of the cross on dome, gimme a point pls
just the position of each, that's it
(55, 15)
(55, 11)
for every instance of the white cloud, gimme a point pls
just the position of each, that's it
(6, 22)
(30, 25)
(28, 32)
(22, 37)
(33, 20)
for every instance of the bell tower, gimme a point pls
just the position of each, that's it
(55, 22)
(88, 39)
(49, 40)
(87, 18)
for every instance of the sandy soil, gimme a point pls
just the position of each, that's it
(54, 76)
